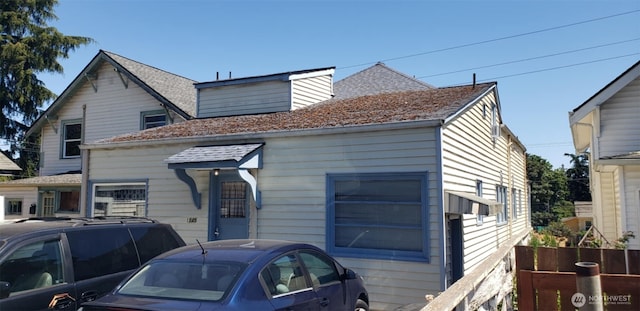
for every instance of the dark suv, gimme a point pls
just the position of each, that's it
(59, 263)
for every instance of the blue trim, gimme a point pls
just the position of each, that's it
(421, 256)
(195, 195)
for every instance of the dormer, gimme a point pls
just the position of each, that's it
(264, 94)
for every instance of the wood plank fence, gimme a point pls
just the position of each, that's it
(546, 278)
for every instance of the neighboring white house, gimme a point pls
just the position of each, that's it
(112, 95)
(410, 185)
(607, 127)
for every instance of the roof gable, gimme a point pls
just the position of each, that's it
(377, 79)
(387, 108)
(175, 92)
(7, 166)
(605, 93)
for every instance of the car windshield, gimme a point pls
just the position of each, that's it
(184, 280)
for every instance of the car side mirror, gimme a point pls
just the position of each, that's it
(349, 274)
(5, 289)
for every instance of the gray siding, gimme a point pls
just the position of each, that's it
(619, 126)
(110, 111)
(632, 203)
(254, 98)
(292, 183)
(470, 154)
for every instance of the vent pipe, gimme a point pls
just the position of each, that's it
(474, 80)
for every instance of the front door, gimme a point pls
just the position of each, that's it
(229, 207)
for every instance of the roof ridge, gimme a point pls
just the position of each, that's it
(111, 54)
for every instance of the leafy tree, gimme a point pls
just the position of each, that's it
(549, 190)
(578, 178)
(28, 46)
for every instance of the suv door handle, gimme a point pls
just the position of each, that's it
(89, 296)
(324, 302)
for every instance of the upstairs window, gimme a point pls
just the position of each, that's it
(151, 119)
(71, 139)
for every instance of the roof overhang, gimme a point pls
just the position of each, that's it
(239, 157)
(468, 203)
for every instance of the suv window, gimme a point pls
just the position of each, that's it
(153, 241)
(101, 251)
(32, 266)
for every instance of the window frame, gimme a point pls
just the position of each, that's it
(10, 207)
(93, 185)
(501, 196)
(64, 140)
(152, 113)
(479, 216)
(421, 255)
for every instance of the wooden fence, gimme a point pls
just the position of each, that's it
(546, 278)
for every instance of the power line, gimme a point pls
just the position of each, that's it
(496, 39)
(554, 68)
(529, 59)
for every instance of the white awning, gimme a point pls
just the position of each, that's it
(469, 203)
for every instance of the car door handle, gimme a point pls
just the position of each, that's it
(89, 296)
(324, 302)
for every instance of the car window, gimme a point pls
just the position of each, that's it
(283, 275)
(184, 280)
(322, 269)
(32, 266)
(153, 241)
(101, 251)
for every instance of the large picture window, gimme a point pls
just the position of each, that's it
(378, 215)
(72, 138)
(120, 199)
(14, 207)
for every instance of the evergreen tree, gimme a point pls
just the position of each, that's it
(578, 178)
(28, 47)
(549, 192)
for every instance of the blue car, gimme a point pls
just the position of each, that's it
(239, 275)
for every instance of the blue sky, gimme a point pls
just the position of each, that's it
(548, 57)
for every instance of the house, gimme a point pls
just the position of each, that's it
(7, 166)
(583, 219)
(412, 186)
(606, 127)
(112, 95)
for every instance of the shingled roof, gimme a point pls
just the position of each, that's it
(377, 79)
(178, 90)
(7, 166)
(428, 104)
(175, 92)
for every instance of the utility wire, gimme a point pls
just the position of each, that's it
(496, 39)
(529, 59)
(554, 68)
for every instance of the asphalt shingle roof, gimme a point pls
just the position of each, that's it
(213, 153)
(62, 179)
(428, 104)
(7, 165)
(178, 90)
(374, 80)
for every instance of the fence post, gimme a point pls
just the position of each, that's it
(589, 291)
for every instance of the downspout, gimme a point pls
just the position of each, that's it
(84, 166)
(441, 217)
(511, 182)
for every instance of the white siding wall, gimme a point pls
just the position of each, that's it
(309, 91)
(619, 126)
(169, 199)
(294, 179)
(606, 211)
(28, 195)
(470, 154)
(294, 197)
(632, 203)
(110, 111)
(253, 98)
